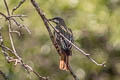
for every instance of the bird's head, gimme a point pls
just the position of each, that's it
(58, 20)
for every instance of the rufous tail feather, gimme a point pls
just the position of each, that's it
(64, 62)
(61, 66)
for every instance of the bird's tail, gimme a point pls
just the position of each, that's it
(64, 62)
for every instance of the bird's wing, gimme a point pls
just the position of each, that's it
(63, 44)
(70, 38)
(69, 35)
(57, 43)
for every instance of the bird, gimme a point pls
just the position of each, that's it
(63, 47)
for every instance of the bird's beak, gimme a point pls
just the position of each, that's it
(51, 20)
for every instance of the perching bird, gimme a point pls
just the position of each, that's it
(63, 46)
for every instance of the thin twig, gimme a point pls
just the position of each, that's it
(13, 16)
(72, 73)
(17, 32)
(3, 15)
(10, 35)
(21, 2)
(18, 16)
(21, 25)
(6, 48)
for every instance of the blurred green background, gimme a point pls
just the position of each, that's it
(96, 29)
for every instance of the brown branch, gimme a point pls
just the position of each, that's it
(2, 14)
(72, 73)
(13, 16)
(7, 7)
(21, 25)
(13, 50)
(3, 74)
(10, 35)
(20, 3)
(8, 49)
(14, 20)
